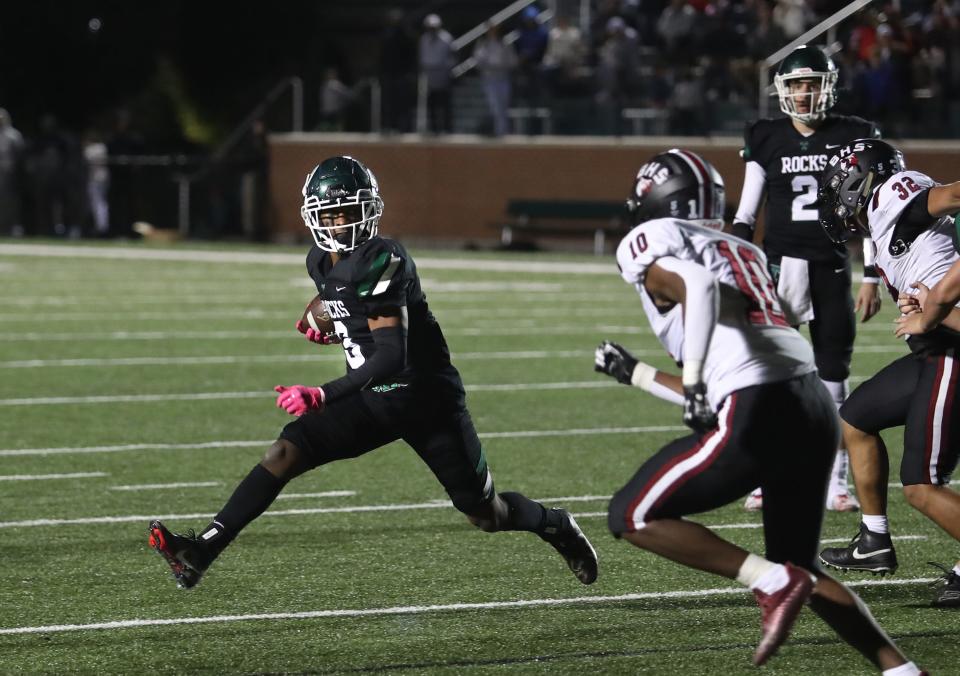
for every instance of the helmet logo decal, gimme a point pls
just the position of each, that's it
(654, 171)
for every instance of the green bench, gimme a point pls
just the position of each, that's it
(527, 219)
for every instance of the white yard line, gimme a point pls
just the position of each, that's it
(205, 396)
(322, 494)
(333, 356)
(44, 477)
(403, 507)
(121, 448)
(151, 487)
(892, 537)
(263, 257)
(419, 610)
(74, 336)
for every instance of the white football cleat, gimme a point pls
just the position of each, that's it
(754, 502)
(843, 502)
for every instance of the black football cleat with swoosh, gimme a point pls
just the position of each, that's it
(867, 552)
(186, 554)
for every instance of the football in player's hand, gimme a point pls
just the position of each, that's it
(316, 317)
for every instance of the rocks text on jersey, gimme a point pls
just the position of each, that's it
(803, 164)
(336, 309)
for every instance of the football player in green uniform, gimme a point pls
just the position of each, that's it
(399, 384)
(783, 161)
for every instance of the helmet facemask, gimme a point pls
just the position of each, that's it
(843, 200)
(362, 210)
(819, 99)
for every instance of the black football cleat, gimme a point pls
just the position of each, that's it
(867, 552)
(573, 546)
(186, 555)
(948, 588)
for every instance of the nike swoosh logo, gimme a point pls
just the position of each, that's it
(830, 146)
(858, 555)
(838, 271)
(340, 288)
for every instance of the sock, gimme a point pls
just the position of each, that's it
(876, 523)
(908, 669)
(956, 569)
(249, 500)
(759, 574)
(525, 514)
(838, 474)
(838, 390)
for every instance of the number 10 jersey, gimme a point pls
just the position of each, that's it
(752, 343)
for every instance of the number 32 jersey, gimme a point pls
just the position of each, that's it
(752, 343)
(905, 255)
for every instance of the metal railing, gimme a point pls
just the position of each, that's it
(828, 26)
(474, 34)
(293, 85)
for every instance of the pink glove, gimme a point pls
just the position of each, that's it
(298, 399)
(315, 336)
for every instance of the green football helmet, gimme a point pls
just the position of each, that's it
(806, 63)
(341, 185)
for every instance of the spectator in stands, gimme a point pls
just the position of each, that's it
(496, 61)
(398, 67)
(876, 87)
(122, 144)
(767, 37)
(436, 62)
(675, 27)
(531, 46)
(335, 100)
(617, 68)
(565, 58)
(98, 182)
(793, 16)
(11, 156)
(48, 156)
(686, 105)
(863, 35)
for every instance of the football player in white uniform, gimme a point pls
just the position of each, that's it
(866, 189)
(751, 394)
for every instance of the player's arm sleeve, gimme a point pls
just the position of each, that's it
(870, 275)
(701, 308)
(658, 383)
(389, 358)
(754, 181)
(916, 218)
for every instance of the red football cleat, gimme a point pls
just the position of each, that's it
(779, 611)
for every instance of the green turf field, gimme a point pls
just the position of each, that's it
(131, 389)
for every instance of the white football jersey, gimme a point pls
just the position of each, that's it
(752, 343)
(928, 257)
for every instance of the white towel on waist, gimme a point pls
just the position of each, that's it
(793, 288)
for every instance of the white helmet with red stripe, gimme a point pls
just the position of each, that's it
(678, 184)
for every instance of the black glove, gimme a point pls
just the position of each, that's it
(615, 361)
(742, 230)
(697, 413)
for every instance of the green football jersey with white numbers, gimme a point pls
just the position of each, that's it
(380, 274)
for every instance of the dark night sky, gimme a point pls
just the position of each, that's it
(220, 57)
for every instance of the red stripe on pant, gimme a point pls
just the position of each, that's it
(728, 424)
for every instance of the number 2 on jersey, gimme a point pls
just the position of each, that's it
(755, 284)
(803, 207)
